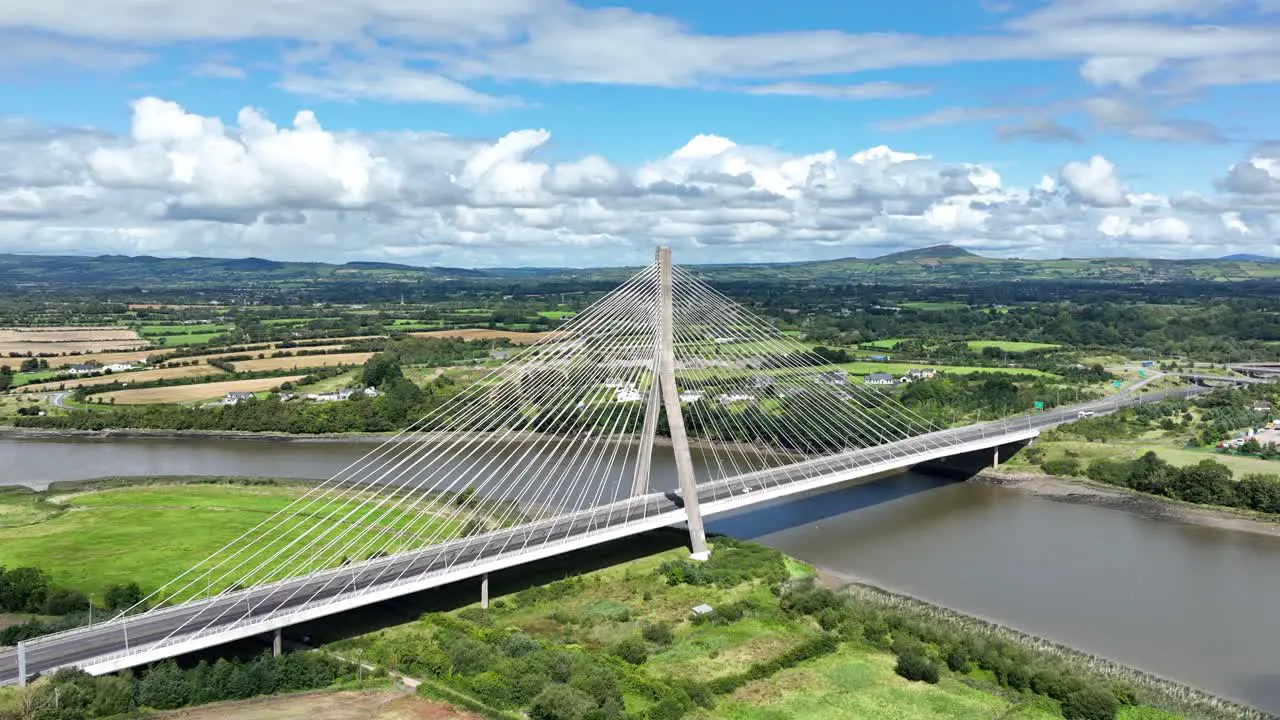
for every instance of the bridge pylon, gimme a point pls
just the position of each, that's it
(670, 395)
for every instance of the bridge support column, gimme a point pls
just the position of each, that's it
(484, 591)
(277, 642)
(640, 483)
(675, 420)
(995, 457)
(22, 664)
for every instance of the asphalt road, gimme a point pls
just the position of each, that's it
(86, 644)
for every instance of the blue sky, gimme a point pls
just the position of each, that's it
(550, 132)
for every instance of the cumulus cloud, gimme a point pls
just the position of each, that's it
(1094, 182)
(179, 183)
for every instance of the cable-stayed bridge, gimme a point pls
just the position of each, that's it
(548, 453)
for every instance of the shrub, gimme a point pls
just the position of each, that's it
(658, 633)
(1090, 703)
(631, 650)
(1062, 466)
(917, 668)
(561, 702)
(958, 660)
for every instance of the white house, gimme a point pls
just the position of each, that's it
(87, 369)
(920, 374)
(233, 398)
(690, 396)
(616, 384)
(731, 398)
(626, 395)
(879, 379)
(119, 367)
(834, 377)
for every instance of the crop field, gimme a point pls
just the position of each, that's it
(132, 377)
(1009, 345)
(519, 338)
(151, 533)
(302, 361)
(64, 340)
(194, 393)
(103, 358)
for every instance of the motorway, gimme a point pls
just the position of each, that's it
(448, 560)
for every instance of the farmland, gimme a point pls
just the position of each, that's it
(1010, 346)
(299, 362)
(518, 338)
(64, 340)
(193, 393)
(181, 371)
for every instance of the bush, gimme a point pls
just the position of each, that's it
(561, 702)
(1090, 703)
(62, 601)
(958, 660)
(917, 668)
(631, 650)
(658, 633)
(1063, 467)
(164, 687)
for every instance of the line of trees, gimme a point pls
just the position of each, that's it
(76, 695)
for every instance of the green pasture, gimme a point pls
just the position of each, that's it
(1009, 345)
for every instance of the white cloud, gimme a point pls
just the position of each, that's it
(1123, 71)
(180, 183)
(1094, 182)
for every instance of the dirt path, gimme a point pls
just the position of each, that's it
(345, 705)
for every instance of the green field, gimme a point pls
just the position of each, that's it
(202, 328)
(557, 314)
(595, 611)
(900, 368)
(151, 533)
(934, 305)
(30, 377)
(188, 339)
(1168, 450)
(289, 321)
(1009, 345)
(888, 344)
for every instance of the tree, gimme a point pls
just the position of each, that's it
(916, 667)
(380, 369)
(1091, 703)
(561, 702)
(164, 687)
(123, 597)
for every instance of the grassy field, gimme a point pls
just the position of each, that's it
(298, 362)
(183, 329)
(194, 393)
(138, 376)
(1171, 451)
(147, 533)
(899, 368)
(613, 604)
(184, 340)
(103, 358)
(887, 344)
(934, 305)
(1009, 345)
(557, 314)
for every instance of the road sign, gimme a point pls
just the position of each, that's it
(1117, 383)
(1039, 405)
(1142, 373)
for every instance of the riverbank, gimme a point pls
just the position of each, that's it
(1155, 689)
(1082, 491)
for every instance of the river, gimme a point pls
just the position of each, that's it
(1192, 603)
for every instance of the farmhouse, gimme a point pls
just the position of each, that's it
(690, 396)
(87, 369)
(626, 395)
(834, 377)
(119, 367)
(920, 374)
(233, 398)
(879, 379)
